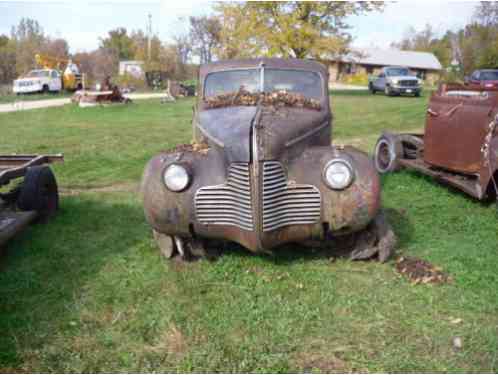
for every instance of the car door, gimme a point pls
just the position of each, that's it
(475, 78)
(380, 82)
(55, 81)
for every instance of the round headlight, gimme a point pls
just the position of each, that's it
(338, 174)
(176, 178)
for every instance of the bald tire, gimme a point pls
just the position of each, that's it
(39, 192)
(387, 153)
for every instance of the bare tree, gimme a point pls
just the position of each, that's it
(205, 35)
(184, 48)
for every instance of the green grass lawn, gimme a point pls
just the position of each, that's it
(88, 292)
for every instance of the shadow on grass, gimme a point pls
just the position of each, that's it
(295, 252)
(45, 269)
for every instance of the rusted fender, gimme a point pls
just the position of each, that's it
(347, 210)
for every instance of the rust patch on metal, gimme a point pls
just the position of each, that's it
(459, 144)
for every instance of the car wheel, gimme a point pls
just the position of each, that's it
(417, 94)
(387, 91)
(371, 88)
(165, 243)
(39, 192)
(45, 89)
(388, 151)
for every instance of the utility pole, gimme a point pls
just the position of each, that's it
(149, 37)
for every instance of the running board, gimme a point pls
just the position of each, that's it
(470, 185)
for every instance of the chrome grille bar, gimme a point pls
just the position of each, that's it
(227, 204)
(285, 204)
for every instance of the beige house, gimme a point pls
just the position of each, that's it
(370, 61)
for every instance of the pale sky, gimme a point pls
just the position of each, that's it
(82, 22)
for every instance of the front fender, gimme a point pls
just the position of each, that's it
(171, 212)
(342, 211)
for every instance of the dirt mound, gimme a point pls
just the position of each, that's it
(275, 99)
(420, 271)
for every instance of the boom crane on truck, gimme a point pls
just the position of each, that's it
(72, 78)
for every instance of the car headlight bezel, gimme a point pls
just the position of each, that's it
(335, 163)
(394, 81)
(176, 177)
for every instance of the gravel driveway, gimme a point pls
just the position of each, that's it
(24, 105)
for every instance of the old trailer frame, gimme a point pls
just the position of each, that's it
(14, 216)
(459, 146)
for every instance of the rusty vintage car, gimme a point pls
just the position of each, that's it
(262, 171)
(35, 197)
(459, 145)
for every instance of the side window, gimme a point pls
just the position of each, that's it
(475, 75)
(382, 75)
(55, 74)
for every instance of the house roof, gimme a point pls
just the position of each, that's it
(411, 59)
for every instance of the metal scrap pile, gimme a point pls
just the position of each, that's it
(108, 93)
(275, 99)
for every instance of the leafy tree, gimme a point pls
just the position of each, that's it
(141, 50)
(28, 38)
(58, 48)
(119, 43)
(427, 41)
(7, 59)
(288, 28)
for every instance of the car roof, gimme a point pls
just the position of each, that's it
(276, 63)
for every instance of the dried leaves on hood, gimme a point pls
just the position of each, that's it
(420, 271)
(275, 99)
(201, 148)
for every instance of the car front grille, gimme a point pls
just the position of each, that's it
(283, 204)
(287, 204)
(408, 83)
(227, 204)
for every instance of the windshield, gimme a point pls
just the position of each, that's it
(37, 73)
(489, 75)
(397, 72)
(300, 82)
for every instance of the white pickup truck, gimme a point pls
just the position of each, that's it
(40, 80)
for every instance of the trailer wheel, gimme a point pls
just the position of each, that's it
(388, 151)
(39, 192)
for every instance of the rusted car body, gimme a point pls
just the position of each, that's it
(257, 171)
(36, 197)
(459, 145)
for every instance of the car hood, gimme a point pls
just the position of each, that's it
(277, 128)
(230, 129)
(404, 78)
(28, 79)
